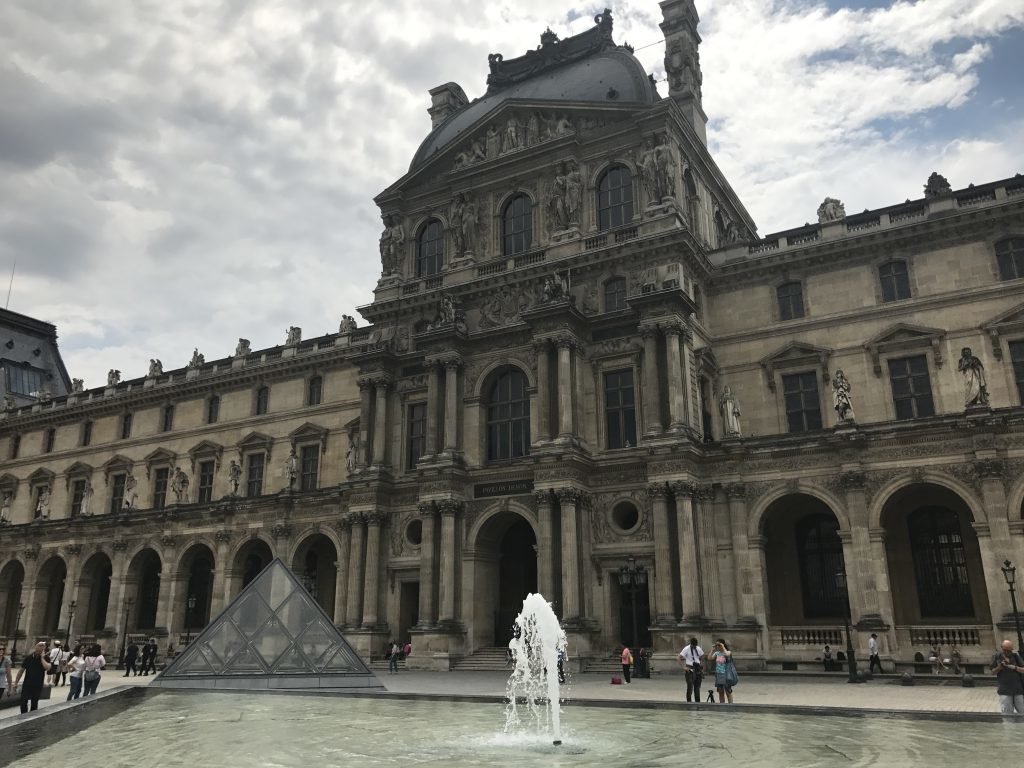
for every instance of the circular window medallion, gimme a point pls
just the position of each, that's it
(625, 517)
(414, 532)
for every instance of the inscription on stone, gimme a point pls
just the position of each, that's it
(503, 488)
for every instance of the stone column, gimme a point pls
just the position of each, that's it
(543, 393)
(451, 407)
(664, 608)
(568, 500)
(652, 400)
(428, 605)
(28, 597)
(749, 577)
(994, 540)
(865, 559)
(707, 553)
(371, 598)
(545, 546)
(689, 570)
(166, 599)
(433, 406)
(365, 409)
(219, 598)
(353, 609)
(118, 589)
(380, 423)
(72, 581)
(565, 389)
(676, 393)
(449, 508)
(344, 526)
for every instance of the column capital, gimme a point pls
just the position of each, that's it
(706, 493)
(566, 342)
(568, 495)
(540, 345)
(673, 329)
(657, 491)
(376, 518)
(684, 489)
(736, 491)
(355, 518)
(426, 509)
(364, 382)
(543, 496)
(445, 360)
(450, 507)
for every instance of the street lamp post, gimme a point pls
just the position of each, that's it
(17, 629)
(632, 578)
(1010, 574)
(124, 635)
(190, 605)
(851, 661)
(71, 616)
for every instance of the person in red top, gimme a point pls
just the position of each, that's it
(627, 661)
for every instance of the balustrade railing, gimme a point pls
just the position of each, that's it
(814, 637)
(945, 635)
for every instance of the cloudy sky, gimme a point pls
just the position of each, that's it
(179, 173)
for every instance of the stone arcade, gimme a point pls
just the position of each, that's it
(580, 352)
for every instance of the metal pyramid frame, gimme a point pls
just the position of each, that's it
(273, 635)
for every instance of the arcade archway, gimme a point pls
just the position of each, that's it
(506, 572)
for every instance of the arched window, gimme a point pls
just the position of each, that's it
(940, 563)
(895, 281)
(430, 249)
(820, 554)
(1010, 255)
(791, 300)
(517, 226)
(508, 416)
(615, 198)
(615, 294)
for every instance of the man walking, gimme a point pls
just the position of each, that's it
(393, 658)
(34, 670)
(873, 654)
(6, 678)
(690, 657)
(149, 657)
(131, 655)
(1007, 666)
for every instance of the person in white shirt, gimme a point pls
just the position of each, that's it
(76, 664)
(54, 657)
(691, 657)
(873, 653)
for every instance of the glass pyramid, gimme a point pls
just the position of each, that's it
(273, 635)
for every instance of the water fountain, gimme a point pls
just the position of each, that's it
(536, 643)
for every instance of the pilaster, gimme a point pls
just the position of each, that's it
(663, 590)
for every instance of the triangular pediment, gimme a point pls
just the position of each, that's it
(1009, 322)
(117, 461)
(256, 440)
(204, 448)
(160, 456)
(9, 483)
(79, 468)
(706, 360)
(796, 350)
(41, 476)
(905, 332)
(273, 635)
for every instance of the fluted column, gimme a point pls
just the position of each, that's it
(565, 388)
(380, 423)
(433, 406)
(365, 410)
(118, 588)
(676, 394)
(218, 599)
(353, 610)
(747, 558)
(707, 552)
(689, 571)
(543, 393)
(664, 609)
(568, 501)
(449, 508)
(344, 526)
(652, 400)
(166, 599)
(545, 546)
(451, 406)
(428, 606)
(371, 598)
(72, 584)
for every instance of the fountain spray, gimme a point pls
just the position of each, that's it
(537, 640)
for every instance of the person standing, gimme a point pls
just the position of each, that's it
(6, 676)
(33, 669)
(690, 657)
(875, 661)
(131, 656)
(76, 664)
(826, 658)
(1007, 666)
(147, 655)
(393, 658)
(725, 677)
(627, 662)
(151, 665)
(94, 664)
(54, 657)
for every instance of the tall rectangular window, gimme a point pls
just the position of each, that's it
(213, 409)
(254, 474)
(620, 408)
(21, 379)
(262, 400)
(87, 433)
(310, 467)
(126, 425)
(77, 497)
(417, 444)
(615, 294)
(206, 470)
(117, 493)
(911, 387)
(15, 446)
(160, 478)
(49, 438)
(803, 405)
(1017, 358)
(791, 300)
(895, 281)
(1010, 255)
(315, 391)
(167, 418)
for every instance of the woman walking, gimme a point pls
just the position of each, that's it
(94, 664)
(725, 672)
(627, 662)
(76, 665)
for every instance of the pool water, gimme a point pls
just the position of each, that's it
(213, 730)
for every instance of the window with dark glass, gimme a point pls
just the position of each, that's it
(1017, 358)
(620, 408)
(430, 249)
(417, 443)
(310, 467)
(117, 493)
(213, 409)
(167, 418)
(315, 391)
(49, 437)
(126, 425)
(262, 400)
(160, 478)
(22, 379)
(86, 433)
(206, 469)
(255, 462)
(791, 300)
(940, 563)
(517, 226)
(15, 446)
(508, 417)
(77, 497)
(615, 294)
(803, 405)
(895, 281)
(1010, 255)
(615, 198)
(820, 554)
(911, 387)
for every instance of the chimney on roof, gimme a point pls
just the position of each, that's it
(682, 61)
(445, 101)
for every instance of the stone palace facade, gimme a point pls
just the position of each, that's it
(581, 356)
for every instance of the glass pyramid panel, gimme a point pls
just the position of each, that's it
(297, 614)
(225, 641)
(318, 643)
(250, 614)
(276, 588)
(193, 662)
(271, 642)
(247, 662)
(294, 662)
(345, 660)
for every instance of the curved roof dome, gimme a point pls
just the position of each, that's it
(608, 77)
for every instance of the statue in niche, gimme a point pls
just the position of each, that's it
(566, 193)
(156, 368)
(5, 509)
(77, 386)
(291, 468)
(85, 510)
(242, 348)
(973, 373)
(348, 325)
(352, 454)
(448, 315)
(841, 397)
(493, 143)
(477, 150)
(730, 408)
(391, 240)
(533, 129)
(292, 336)
(831, 210)
(937, 186)
(647, 165)
(43, 503)
(113, 377)
(464, 222)
(130, 496)
(556, 287)
(513, 134)
(234, 476)
(665, 168)
(179, 485)
(198, 360)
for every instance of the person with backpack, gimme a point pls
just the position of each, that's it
(76, 665)
(691, 658)
(94, 664)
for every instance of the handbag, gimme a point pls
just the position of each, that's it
(732, 678)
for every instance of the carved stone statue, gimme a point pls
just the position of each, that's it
(198, 360)
(533, 129)
(556, 287)
(937, 186)
(5, 509)
(130, 496)
(242, 348)
(464, 223)
(831, 210)
(43, 503)
(665, 168)
(86, 508)
(293, 337)
(348, 324)
(391, 240)
(563, 126)
(730, 408)
(513, 134)
(477, 151)
(352, 454)
(113, 377)
(156, 368)
(179, 486)
(77, 386)
(566, 193)
(234, 476)
(973, 373)
(647, 165)
(291, 465)
(493, 143)
(448, 315)
(841, 397)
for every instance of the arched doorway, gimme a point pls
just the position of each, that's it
(143, 585)
(506, 572)
(251, 558)
(12, 580)
(316, 565)
(195, 586)
(94, 593)
(49, 597)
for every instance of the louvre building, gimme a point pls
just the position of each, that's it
(580, 356)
